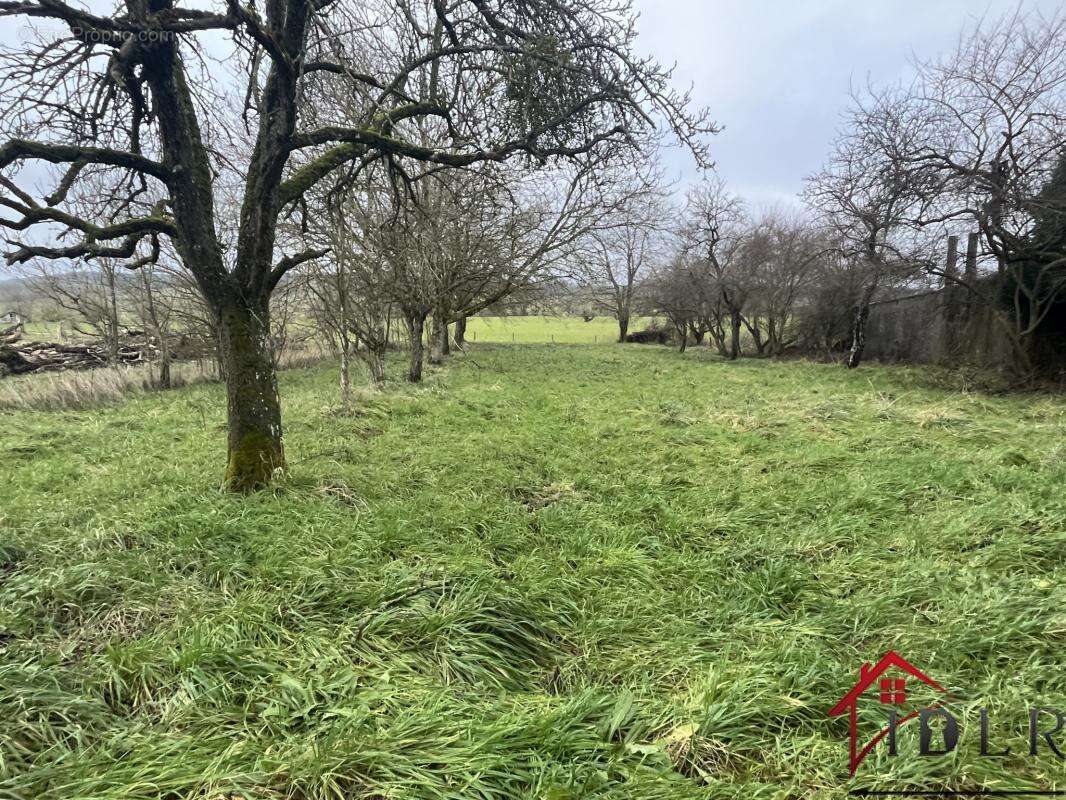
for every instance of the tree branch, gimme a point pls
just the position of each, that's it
(16, 149)
(291, 262)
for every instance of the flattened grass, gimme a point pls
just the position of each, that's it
(551, 572)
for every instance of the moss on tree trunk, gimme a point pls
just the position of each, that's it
(256, 452)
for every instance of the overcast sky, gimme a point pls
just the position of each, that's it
(776, 73)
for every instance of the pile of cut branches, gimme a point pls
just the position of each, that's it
(18, 357)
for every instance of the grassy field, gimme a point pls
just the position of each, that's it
(498, 330)
(43, 331)
(546, 330)
(550, 572)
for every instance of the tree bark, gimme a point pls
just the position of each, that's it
(416, 324)
(164, 362)
(735, 322)
(376, 357)
(623, 327)
(952, 297)
(112, 313)
(460, 331)
(718, 337)
(346, 371)
(220, 357)
(438, 345)
(773, 341)
(755, 329)
(255, 441)
(970, 278)
(858, 334)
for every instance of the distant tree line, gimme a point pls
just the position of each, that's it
(973, 150)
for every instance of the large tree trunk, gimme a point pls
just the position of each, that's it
(735, 321)
(255, 444)
(623, 327)
(1022, 368)
(953, 302)
(445, 339)
(460, 331)
(416, 325)
(240, 299)
(773, 341)
(439, 346)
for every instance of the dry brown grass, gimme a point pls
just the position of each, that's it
(76, 390)
(82, 389)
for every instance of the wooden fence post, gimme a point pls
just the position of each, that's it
(971, 260)
(952, 302)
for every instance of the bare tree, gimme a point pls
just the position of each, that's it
(466, 240)
(529, 233)
(783, 253)
(619, 249)
(87, 294)
(489, 79)
(865, 197)
(675, 290)
(154, 308)
(354, 291)
(714, 235)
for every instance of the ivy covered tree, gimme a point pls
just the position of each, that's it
(144, 100)
(1036, 289)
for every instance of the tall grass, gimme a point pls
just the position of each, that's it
(560, 572)
(77, 390)
(82, 389)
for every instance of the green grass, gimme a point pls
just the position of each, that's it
(550, 572)
(546, 330)
(44, 331)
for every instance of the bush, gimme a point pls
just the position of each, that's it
(652, 335)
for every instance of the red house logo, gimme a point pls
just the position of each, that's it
(890, 691)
